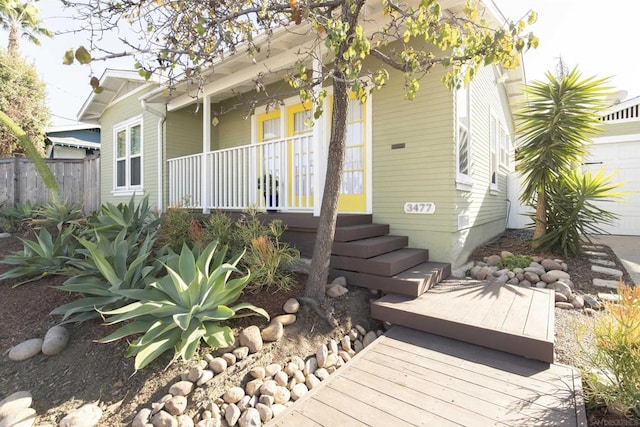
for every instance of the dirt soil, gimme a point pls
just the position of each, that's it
(87, 371)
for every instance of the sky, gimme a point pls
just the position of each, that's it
(598, 37)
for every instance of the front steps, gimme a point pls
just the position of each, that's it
(367, 256)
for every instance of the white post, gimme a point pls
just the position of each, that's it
(319, 159)
(206, 147)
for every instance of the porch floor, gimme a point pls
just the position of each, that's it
(407, 377)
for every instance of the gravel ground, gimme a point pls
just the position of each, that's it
(574, 337)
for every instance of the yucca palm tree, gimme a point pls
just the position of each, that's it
(554, 128)
(21, 18)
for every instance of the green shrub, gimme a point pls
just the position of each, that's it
(17, 216)
(183, 308)
(174, 229)
(516, 261)
(614, 380)
(45, 256)
(106, 268)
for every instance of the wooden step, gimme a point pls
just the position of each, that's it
(502, 317)
(412, 282)
(360, 231)
(388, 264)
(367, 248)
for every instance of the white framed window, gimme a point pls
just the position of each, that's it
(128, 166)
(494, 142)
(463, 135)
(505, 146)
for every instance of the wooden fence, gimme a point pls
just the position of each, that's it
(79, 181)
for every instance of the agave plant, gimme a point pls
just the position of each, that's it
(109, 266)
(59, 215)
(183, 308)
(18, 215)
(45, 256)
(111, 219)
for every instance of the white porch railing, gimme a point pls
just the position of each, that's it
(277, 174)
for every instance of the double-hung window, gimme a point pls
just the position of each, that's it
(128, 155)
(494, 141)
(463, 137)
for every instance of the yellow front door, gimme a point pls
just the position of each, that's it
(300, 155)
(269, 170)
(353, 194)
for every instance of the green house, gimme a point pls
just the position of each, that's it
(433, 169)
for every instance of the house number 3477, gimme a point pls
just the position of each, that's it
(425, 208)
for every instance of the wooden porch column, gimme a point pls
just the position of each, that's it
(319, 157)
(206, 147)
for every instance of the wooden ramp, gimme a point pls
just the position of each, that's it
(412, 378)
(502, 317)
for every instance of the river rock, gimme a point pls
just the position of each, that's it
(285, 319)
(493, 260)
(561, 288)
(336, 291)
(561, 297)
(14, 402)
(210, 422)
(536, 270)
(176, 405)
(291, 306)
(281, 378)
(592, 302)
(578, 301)
(232, 414)
(26, 349)
(282, 395)
(273, 332)
(241, 352)
(265, 412)
(531, 276)
(525, 284)
(506, 254)
(321, 355)
(541, 284)
(250, 418)
(565, 305)
(550, 264)
(230, 358)
(207, 375)
(554, 276)
(271, 369)
(185, 421)
(268, 388)
(322, 374)
(142, 418)
(218, 365)
(233, 395)
(250, 337)
(164, 419)
(298, 391)
(369, 338)
(55, 340)
(252, 387)
(311, 381)
(181, 388)
(341, 281)
(483, 273)
(613, 298)
(22, 417)
(85, 416)
(310, 366)
(277, 409)
(258, 372)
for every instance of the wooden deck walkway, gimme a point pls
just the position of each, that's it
(503, 317)
(412, 378)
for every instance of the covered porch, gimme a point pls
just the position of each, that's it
(276, 175)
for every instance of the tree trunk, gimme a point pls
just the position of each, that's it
(14, 36)
(541, 218)
(319, 272)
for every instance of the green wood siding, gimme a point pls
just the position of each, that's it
(123, 110)
(233, 130)
(624, 128)
(184, 132)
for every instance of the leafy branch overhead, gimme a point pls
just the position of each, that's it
(185, 38)
(354, 46)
